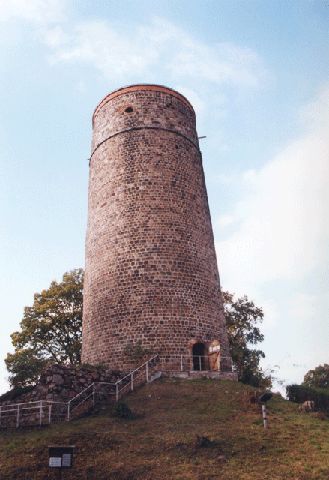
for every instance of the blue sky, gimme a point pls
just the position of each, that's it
(257, 75)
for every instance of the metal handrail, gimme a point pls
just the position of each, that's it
(130, 384)
(127, 382)
(132, 376)
(138, 368)
(203, 360)
(90, 388)
(187, 356)
(29, 403)
(43, 408)
(81, 393)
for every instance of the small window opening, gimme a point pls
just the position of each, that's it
(129, 109)
(199, 359)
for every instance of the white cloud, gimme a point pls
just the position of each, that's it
(300, 341)
(116, 52)
(198, 103)
(54, 37)
(35, 11)
(283, 232)
(278, 249)
(303, 306)
(225, 179)
(81, 87)
(225, 220)
(109, 51)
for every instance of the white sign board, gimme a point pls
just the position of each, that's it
(55, 461)
(66, 460)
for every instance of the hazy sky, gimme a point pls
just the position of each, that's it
(257, 75)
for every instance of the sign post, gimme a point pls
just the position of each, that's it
(61, 457)
(263, 399)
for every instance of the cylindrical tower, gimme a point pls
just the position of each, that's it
(151, 278)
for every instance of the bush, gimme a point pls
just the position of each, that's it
(317, 378)
(122, 410)
(136, 351)
(203, 442)
(15, 393)
(256, 378)
(302, 393)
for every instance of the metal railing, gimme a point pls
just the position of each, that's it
(186, 363)
(87, 398)
(140, 375)
(190, 363)
(45, 412)
(40, 412)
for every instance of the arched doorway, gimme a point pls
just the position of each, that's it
(198, 352)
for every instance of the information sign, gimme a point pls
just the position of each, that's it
(55, 461)
(61, 457)
(66, 460)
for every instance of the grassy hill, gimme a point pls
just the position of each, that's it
(161, 442)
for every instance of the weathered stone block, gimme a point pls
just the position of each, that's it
(58, 379)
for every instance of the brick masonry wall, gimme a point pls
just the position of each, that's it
(151, 270)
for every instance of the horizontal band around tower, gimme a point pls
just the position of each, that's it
(141, 88)
(146, 127)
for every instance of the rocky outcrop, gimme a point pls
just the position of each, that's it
(62, 382)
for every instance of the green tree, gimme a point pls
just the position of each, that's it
(50, 330)
(51, 333)
(317, 378)
(242, 320)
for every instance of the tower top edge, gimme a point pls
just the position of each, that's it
(142, 87)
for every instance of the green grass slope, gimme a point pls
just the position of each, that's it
(161, 442)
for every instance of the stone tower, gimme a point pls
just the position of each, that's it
(151, 272)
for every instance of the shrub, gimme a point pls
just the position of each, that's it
(121, 410)
(136, 351)
(203, 442)
(302, 393)
(317, 378)
(15, 393)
